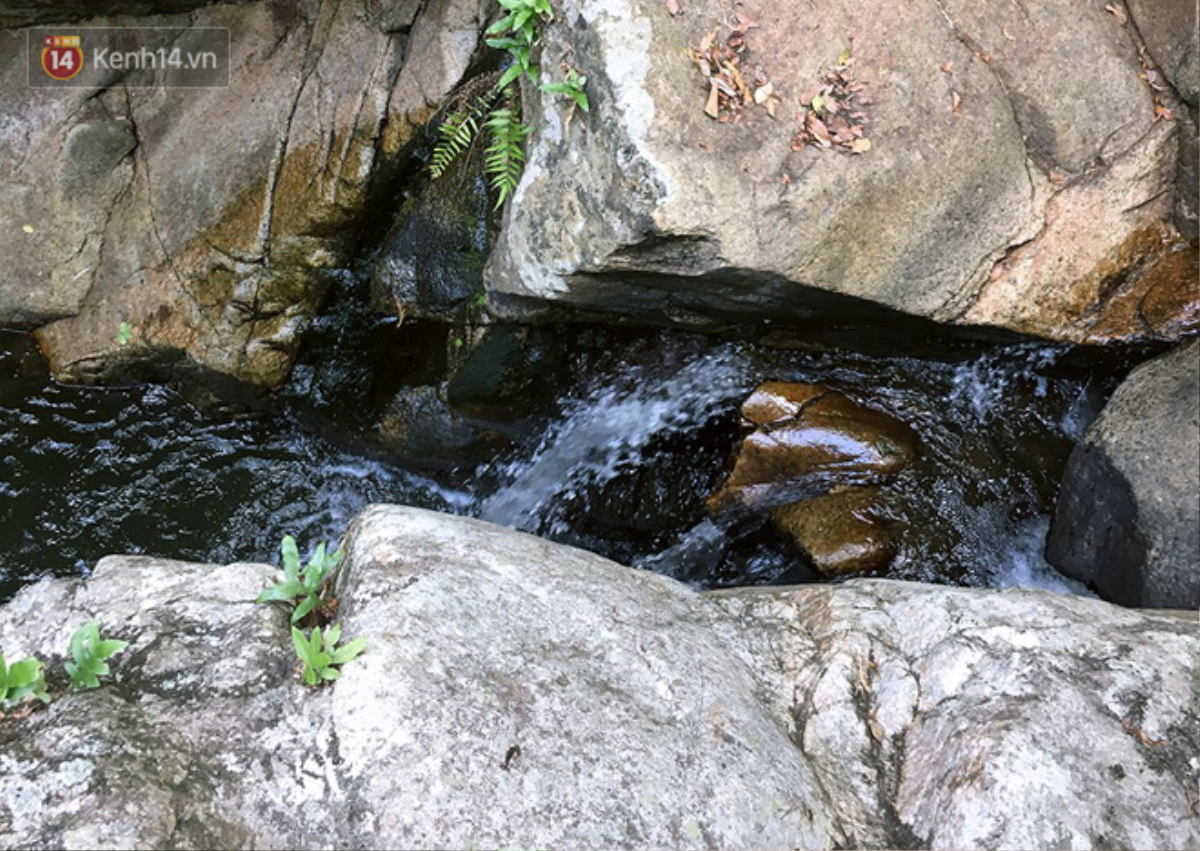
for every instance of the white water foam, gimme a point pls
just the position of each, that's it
(599, 437)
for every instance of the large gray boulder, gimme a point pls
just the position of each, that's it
(1016, 173)
(210, 221)
(520, 693)
(1127, 520)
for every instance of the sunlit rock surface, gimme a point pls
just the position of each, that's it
(516, 692)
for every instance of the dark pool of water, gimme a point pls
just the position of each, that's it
(635, 441)
(85, 472)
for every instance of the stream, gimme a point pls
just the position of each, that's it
(619, 462)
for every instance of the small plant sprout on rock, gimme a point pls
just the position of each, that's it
(23, 679)
(303, 585)
(320, 654)
(89, 652)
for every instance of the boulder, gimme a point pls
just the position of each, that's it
(839, 532)
(1127, 521)
(812, 462)
(515, 692)
(419, 427)
(208, 221)
(648, 206)
(807, 440)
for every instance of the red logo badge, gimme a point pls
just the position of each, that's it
(62, 57)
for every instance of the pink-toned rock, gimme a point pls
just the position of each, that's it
(1016, 166)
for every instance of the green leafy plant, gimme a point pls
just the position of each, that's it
(457, 131)
(321, 655)
(301, 584)
(505, 156)
(124, 334)
(572, 86)
(22, 679)
(516, 33)
(89, 652)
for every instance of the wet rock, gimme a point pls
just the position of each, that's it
(420, 428)
(1127, 521)
(807, 440)
(506, 678)
(208, 221)
(510, 373)
(839, 532)
(431, 263)
(1026, 233)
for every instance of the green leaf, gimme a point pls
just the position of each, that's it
(291, 557)
(581, 100)
(107, 648)
(332, 633)
(286, 591)
(501, 26)
(342, 655)
(306, 605)
(330, 674)
(24, 672)
(511, 74)
(300, 643)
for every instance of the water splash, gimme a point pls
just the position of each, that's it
(601, 436)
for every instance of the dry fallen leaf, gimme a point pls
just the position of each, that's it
(1161, 113)
(1007, 34)
(707, 41)
(860, 146)
(955, 101)
(1117, 12)
(817, 129)
(27, 228)
(711, 109)
(948, 67)
(673, 7)
(763, 93)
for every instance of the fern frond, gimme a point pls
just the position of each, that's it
(505, 155)
(458, 131)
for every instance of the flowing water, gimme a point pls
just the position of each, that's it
(622, 466)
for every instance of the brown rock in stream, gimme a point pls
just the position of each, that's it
(839, 531)
(814, 460)
(807, 440)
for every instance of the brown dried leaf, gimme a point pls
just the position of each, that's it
(955, 101)
(860, 146)
(1161, 113)
(811, 92)
(947, 67)
(707, 41)
(772, 105)
(711, 109)
(763, 93)
(1007, 34)
(673, 7)
(1117, 12)
(817, 129)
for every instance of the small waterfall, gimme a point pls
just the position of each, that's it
(602, 435)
